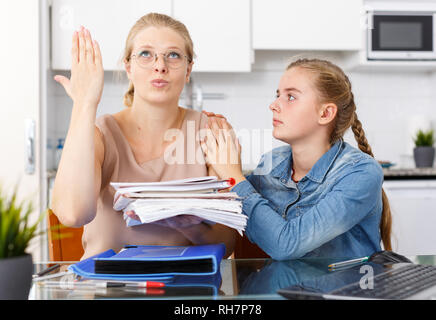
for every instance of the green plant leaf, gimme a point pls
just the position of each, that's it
(424, 139)
(15, 230)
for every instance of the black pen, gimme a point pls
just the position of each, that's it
(46, 271)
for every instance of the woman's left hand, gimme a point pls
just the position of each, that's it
(176, 222)
(222, 150)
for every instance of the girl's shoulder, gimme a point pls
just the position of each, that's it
(354, 155)
(352, 159)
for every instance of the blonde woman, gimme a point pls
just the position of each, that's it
(321, 196)
(131, 144)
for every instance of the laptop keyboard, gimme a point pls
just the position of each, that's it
(399, 283)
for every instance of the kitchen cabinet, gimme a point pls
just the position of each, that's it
(220, 31)
(308, 24)
(413, 204)
(109, 22)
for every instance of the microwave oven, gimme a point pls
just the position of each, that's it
(401, 35)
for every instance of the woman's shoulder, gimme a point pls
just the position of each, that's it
(103, 118)
(106, 122)
(110, 131)
(193, 115)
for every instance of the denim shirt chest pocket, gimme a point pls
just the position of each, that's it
(282, 197)
(301, 209)
(310, 195)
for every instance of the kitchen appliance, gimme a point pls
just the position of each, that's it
(401, 35)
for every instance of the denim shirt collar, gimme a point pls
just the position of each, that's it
(323, 165)
(319, 170)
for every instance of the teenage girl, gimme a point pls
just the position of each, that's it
(317, 195)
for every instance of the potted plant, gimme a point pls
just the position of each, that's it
(16, 231)
(424, 150)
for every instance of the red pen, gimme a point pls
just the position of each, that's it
(130, 284)
(147, 291)
(142, 284)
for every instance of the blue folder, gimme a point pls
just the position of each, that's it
(158, 263)
(85, 269)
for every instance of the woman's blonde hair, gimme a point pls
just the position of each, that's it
(334, 86)
(155, 20)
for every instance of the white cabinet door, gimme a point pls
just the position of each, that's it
(20, 101)
(413, 207)
(109, 22)
(220, 31)
(307, 24)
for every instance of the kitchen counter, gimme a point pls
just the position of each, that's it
(410, 174)
(400, 173)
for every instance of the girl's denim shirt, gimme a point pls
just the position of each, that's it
(334, 211)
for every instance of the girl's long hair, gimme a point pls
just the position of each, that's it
(334, 86)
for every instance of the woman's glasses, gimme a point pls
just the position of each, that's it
(173, 58)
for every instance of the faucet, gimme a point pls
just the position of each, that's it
(193, 96)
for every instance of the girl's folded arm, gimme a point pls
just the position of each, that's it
(342, 208)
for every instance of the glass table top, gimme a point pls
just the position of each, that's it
(238, 279)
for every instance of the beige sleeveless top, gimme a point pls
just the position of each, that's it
(108, 230)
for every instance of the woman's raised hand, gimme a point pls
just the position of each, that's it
(87, 75)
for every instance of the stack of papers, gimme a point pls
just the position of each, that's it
(153, 201)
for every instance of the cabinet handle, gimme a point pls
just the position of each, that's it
(29, 128)
(369, 20)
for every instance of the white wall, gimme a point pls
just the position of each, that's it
(385, 102)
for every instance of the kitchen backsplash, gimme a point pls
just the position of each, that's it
(386, 101)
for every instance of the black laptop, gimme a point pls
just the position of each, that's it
(370, 280)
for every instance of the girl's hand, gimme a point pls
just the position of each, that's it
(211, 114)
(213, 120)
(87, 75)
(222, 150)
